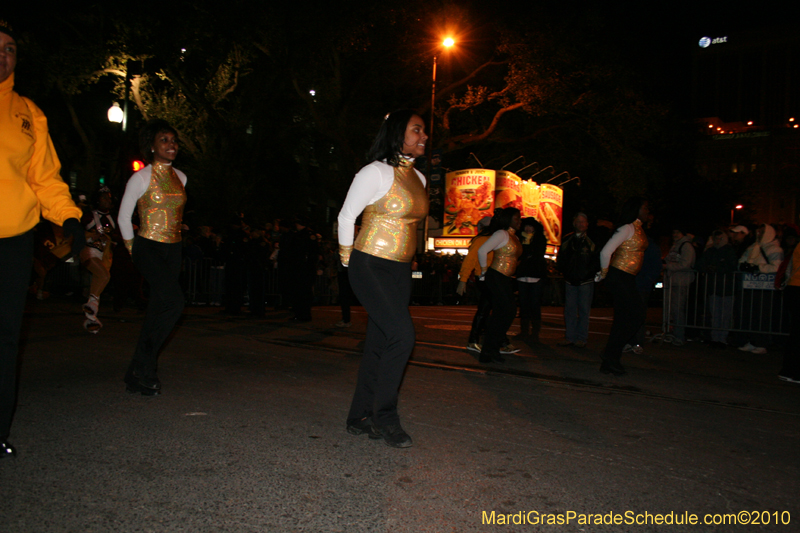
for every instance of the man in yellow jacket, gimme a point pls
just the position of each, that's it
(30, 187)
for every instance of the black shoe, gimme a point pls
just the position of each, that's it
(611, 368)
(491, 358)
(135, 383)
(7, 450)
(363, 426)
(394, 436)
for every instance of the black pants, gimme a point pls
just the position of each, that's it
(629, 313)
(791, 354)
(504, 309)
(383, 287)
(345, 295)
(482, 313)
(160, 264)
(16, 261)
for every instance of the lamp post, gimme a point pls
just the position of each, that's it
(447, 43)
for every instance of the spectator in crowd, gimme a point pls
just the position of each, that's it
(764, 256)
(718, 265)
(578, 260)
(740, 239)
(299, 255)
(30, 187)
(531, 277)
(679, 265)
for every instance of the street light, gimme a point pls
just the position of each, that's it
(447, 43)
(737, 206)
(115, 113)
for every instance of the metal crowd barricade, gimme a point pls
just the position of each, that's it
(734, 302)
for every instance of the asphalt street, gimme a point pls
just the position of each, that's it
(249, 433)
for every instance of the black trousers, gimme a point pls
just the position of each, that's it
(345, 294)
(791, 353)
(160, 264)
(16, 261)
(482, 313)
(383, 287)
(504, 309)
(629, 313)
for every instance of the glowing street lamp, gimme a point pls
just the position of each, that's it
(737, 206)
(115, 113)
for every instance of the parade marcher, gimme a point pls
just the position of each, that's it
(469, 267)
(578, 261)
(499, 279)
(790, 370)
(158, 190)
(531, 277)
(97, 255)
(30, 187)
(620, 260)
(392, 196)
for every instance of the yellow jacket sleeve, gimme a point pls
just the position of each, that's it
(44, 175)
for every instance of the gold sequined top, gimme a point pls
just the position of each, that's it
(389, 226)
(161, 206)
(506, 258)
(629, 256)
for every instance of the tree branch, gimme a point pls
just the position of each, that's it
(470, 138)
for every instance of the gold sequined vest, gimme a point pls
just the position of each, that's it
(629, 256)
(389, 226)
(506, 258)
(161, 206)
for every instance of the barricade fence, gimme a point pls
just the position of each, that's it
(721, 303)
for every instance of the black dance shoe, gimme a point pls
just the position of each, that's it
(360, 427)
(7, 450)
(135, 383)
(394, 436)
(612, 368)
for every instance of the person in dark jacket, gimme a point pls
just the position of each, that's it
(299, 254)
(578, 260)
(645, 282)
(531, 277)
(717, 267)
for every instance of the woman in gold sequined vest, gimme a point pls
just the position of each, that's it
(158, 192)
(499, 279)
(620, 260)
(392, 197)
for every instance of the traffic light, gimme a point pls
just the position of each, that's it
(138, 165)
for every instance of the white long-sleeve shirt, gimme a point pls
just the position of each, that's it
(370, 185)
(498, 239)
(622, 234)
(136, 187)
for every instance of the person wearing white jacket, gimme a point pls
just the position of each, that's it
(763, 256)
